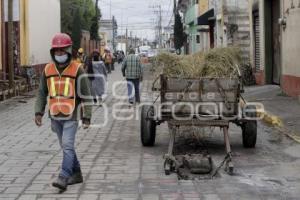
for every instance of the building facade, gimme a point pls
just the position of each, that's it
(38, 30)
(274, 47)
(216, 23)
(108, 28)
(189, 10)
(35, 22)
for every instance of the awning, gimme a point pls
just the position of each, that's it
(206, 17)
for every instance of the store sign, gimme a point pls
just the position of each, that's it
(16, 10)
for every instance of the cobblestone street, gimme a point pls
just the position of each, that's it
(116, 166)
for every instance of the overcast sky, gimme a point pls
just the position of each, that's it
(137, 15)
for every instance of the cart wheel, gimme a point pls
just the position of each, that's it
(148, 126)
(249, 128)
(249, 134)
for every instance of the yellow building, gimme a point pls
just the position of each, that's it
(203, 7)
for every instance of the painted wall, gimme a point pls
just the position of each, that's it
(193, 46)
(1, 36)
(204, 41)
(203, 6)
(290, 46)
(290, 43)
(236, 5)
(290, 80)
(41, 21)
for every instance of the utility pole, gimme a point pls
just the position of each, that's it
(10, 41)
(158, 11)
(130, 39)
(113, 29)
(110, 9)
(126, 40)
(160, 27)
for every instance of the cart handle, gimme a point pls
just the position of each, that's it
(240, 78)
(153, 84)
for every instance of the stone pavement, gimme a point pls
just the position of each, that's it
(116, 166)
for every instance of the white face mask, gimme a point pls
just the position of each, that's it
(61, 59)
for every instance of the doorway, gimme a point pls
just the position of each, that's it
(273, 42)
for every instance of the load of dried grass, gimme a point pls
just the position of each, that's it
(216, 63)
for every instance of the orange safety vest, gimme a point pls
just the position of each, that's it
(61, 88)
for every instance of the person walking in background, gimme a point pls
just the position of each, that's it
(108, 58)
(132, 71)
(59, 82)
(81, 57)
(96, 68)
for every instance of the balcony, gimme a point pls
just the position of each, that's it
(191, 14)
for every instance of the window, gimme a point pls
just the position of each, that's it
(198, 39)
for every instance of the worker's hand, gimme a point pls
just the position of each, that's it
(141, 79)
(38, 120)
(86, 123)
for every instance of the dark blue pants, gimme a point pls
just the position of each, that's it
(133, 90)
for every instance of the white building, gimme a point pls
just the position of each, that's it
(275, 45)
(40, 21)
(108, 27)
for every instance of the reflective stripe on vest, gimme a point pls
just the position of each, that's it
(53, 90)
(67, 85)
(62, 88)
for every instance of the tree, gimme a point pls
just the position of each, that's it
(68, 10)
(76, 30)
(87, 11)
(66, 17)
(94, 29)
(178, 32)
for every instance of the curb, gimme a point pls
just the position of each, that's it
(277, 123)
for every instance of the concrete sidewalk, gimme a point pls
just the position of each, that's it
(278, 104)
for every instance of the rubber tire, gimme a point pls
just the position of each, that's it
(148, 127)
(249, 134)
(249, 129)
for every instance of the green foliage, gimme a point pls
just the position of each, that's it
(94, 28)
(69, 8)
(178, 32)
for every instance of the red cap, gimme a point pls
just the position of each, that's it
(61, 40)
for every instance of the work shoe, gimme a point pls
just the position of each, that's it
(76, 178)
(61, 183)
